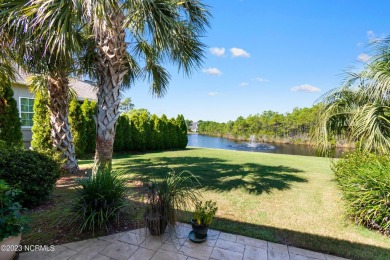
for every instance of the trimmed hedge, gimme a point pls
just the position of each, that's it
(364, 179)
(30, 171)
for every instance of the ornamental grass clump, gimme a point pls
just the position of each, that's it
(100, 199)
(364, 179)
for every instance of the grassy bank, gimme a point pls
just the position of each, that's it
(280, 198)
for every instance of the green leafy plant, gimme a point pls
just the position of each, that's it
(364, 179)
(165, 198)
(34, 173)
(12, 222)
(100, 199)
(204, 213)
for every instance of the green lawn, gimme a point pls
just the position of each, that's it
(282, 198)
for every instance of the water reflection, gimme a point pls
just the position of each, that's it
(205, 141)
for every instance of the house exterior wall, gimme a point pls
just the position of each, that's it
(21, 91)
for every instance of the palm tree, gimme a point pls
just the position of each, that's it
(360, 109)
(158, 31)
(39, 49)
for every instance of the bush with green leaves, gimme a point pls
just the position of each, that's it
(100, 199)
(89, 110)
(10, 125)
(11, 219)
(364, 179)
(41, 129)
(77, 127)
(34, 173)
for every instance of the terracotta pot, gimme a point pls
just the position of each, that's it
(9, 243)
(200, 231)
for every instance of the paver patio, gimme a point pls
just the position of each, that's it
(138, 245)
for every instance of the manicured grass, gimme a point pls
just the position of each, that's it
(281, 198)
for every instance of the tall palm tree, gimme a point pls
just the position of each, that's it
(39, 49)
(158, 31)
(131, 38)
(360, 109)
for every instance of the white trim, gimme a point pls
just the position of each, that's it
(20, 111)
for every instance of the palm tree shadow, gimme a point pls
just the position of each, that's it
(217, 174)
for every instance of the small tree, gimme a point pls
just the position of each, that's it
(119, 143)
(172, 133)
(182, 131)
(89, 109)
(41, 129)
(126, 105)
(77, 127)
(10, 125)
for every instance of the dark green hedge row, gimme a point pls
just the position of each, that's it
(364, 179)
(138, 131)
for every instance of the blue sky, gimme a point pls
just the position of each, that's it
(270, 55)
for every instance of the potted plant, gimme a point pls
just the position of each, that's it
(165, 198)
(203, 216)
(12, 223)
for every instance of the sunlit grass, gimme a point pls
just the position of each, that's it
(281, 198)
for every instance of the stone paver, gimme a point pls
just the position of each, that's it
(307, 253)
(224, 254)
(140, 245)
(254, 253)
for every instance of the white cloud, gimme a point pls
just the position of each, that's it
(260, 79)
(359, 44)
(305, 88)
(237, 52)
(363, 57)
(212, 71)
(372, 37)
(213, 94)
(244, 84)
(217, 51)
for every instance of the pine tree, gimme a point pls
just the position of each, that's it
(119, 142)
(77, 127)
(10, 125)
(164, 132)
(182, 131)
(89, 111)
(41, 129)
(172, 130)
(127, 137)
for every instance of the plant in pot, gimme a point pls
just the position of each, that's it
(12, 223)
(164, 199)
(203, 216)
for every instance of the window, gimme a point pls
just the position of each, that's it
(26, 111)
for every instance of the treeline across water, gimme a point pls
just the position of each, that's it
(269, 126)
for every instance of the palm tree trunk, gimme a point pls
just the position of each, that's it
(111, 69)
(58, 88)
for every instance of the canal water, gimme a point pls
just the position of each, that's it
(205, 141)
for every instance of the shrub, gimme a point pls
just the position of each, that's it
(89, 110)
(30, 171)
(364, 179)
(10, 125)
(41, 129)
(100, 199)
(11, 219)
(77, 128)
